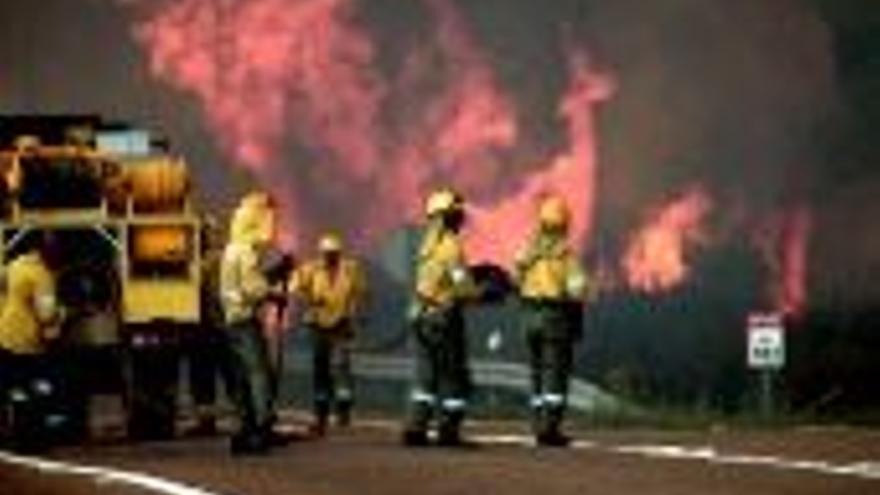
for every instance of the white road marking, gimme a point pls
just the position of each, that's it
(103, 475)
(865, 470)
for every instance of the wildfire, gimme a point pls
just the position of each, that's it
(293, 91)
(253, 64)
(274, 76)
(656, 258)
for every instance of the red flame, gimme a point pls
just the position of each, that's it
(571, 174)
(272, 73)
(793, 298)
(293, 92)
(256, 64)
(783, 240)
(656, 258)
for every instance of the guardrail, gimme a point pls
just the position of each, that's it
(583, 395)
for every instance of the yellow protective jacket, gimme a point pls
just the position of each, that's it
(243, 287)
(547, 270)
(330, 296)
(442, 274)
(30, 308)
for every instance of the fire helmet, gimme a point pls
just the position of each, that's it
(443, 201)
(330, 243)
(254, 219)
(553, 212)
(256, 200)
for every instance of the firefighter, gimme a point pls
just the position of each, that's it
(332, 288)
(552, 286)
(29, 321)
(443, 286)
(243, 290)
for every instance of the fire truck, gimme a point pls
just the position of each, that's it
(125, 237)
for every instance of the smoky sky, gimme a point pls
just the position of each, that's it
(765, 102)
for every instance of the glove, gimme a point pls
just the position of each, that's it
(277, 266)
(494, 282)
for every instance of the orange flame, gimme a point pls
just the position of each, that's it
(253, 63)
(656, 258)
(274, 73)
(497, 230)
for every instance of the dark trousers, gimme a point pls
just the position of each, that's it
(550, 337)
(333, 382)
(88, 370)
(251, 374)
(207, 360)
(442, 373)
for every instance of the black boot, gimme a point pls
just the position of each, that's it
(449, 430)
(414, 437)
(554, 438)
(322, 413)
(416, 432)
(448, 436)
(539, 421)
(275, 438)
(319, 428)
(251, 442)
(551, 435)
(343, 413)
(206, 426)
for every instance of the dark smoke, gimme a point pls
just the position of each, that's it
(734, 94)
(767, 103)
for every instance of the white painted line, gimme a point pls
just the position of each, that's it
(863, 470)
(102, 475)
(515, 440)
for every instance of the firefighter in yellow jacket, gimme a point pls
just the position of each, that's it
(331, 286)
(443, 286)
(243, 290)
(553, 286)
(29, 320)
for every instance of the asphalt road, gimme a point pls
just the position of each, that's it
(367, 460)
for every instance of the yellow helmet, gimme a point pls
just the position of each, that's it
(443, 201)
(256, 200)
(553, 212)
(254, 219)
(330, 243)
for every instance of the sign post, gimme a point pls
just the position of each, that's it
(766, 353)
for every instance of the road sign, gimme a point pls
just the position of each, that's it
(766, 341)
